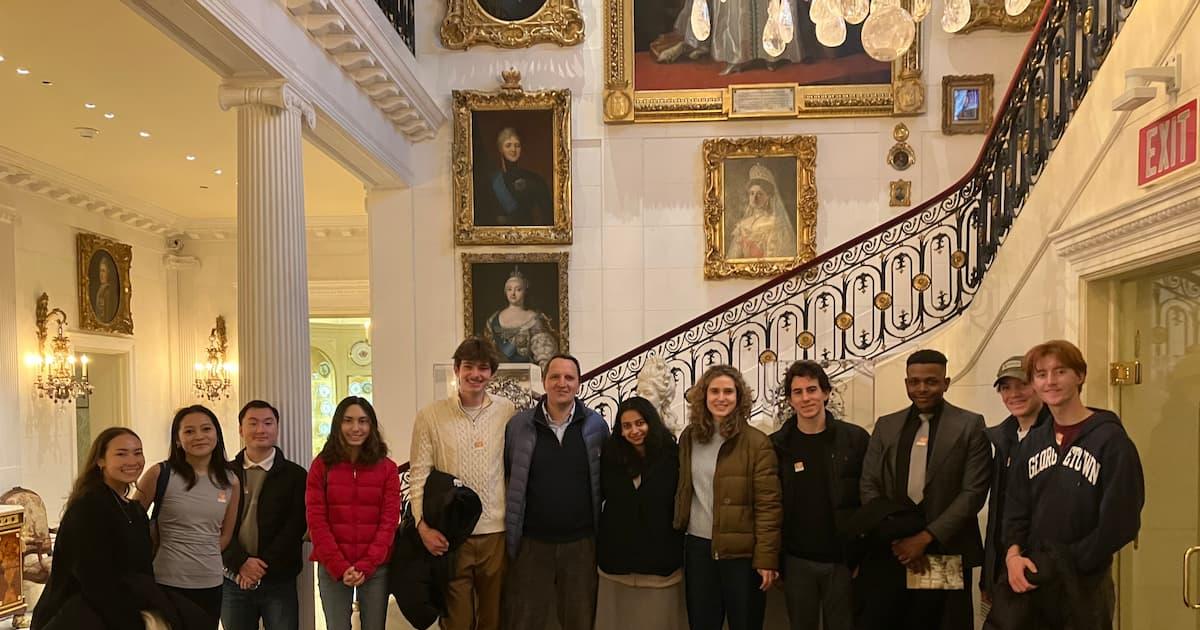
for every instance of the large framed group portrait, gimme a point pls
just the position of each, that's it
(760, 205)
(511, 164)
(104, 284)
(519, 302)
(678, 60)
(511, 23)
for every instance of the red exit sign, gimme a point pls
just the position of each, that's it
(1167, 144)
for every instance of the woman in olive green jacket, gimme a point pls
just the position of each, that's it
(729, 503)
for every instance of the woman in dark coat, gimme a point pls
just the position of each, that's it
(639, 552)
(102, 577)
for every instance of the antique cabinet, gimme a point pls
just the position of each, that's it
(12, 602)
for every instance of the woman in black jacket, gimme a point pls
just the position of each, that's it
(102, 577)
(639, 553)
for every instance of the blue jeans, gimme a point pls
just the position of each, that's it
(276, 604)
(337, 600)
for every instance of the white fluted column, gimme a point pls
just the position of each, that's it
(273, 338)
(10, 403)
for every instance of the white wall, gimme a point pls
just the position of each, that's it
(636, 262)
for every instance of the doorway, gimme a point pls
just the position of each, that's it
(1156, 314)
(107, 406)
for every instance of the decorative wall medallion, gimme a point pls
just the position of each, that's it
(519, 301)
(901, 156)
(511, 23)
(760, 205)
(990, 14)
(360, 353)
(690, 62)
(511, 165)
(900, 193)
(967, 103)
(104, 283)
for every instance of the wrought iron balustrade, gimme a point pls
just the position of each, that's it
(400, 14)
(910, 275)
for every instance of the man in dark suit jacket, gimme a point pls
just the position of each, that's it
(936, 457)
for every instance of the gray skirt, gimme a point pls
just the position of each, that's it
(620, 606)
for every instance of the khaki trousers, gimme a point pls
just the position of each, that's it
(473, 594)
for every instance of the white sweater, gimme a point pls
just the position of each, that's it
(444, 437)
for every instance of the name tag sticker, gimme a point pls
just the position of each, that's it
(923, 441)
(221, 498)
(798, 466)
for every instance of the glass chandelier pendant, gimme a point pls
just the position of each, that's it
(888, 31)
(855, 11)
(1016, 7)
(956, 15)
(772, 38)
(832, 33)
(824, 10)
(921, 8)
(786, 25)
(701, 23)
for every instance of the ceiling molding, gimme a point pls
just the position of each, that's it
(359, 38)
(339, 297)
(318, 227)
(21, 172)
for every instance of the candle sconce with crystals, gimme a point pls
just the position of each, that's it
(56, 379)
(214, 377)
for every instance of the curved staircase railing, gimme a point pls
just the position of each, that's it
(910, 275)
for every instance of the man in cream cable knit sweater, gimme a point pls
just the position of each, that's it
(464, 436)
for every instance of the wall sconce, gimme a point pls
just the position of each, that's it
(56, 378)
(213, 377)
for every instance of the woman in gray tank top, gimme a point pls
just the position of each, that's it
(197, 511)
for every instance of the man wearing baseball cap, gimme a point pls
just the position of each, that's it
(1026, 411)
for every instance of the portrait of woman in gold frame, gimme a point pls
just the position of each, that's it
(511, 166)
(721, 98)
(105, 286)
(511, 23)
(519, 301)
(760, 205)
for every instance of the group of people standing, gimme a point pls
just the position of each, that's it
(630, 530)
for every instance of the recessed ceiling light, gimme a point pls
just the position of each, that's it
(47, 83)
(1, 57)
(144, 134)
(191, 158)
(89, 105)
(218, 172)
(22, 71)
(109, 115)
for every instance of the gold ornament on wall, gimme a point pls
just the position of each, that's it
(760, 205)
(508, 24)
(104, 284)
(991, 14)
(214, 376)
(511, 165)
(901, 156)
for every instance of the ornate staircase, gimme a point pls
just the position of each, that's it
(908, 276)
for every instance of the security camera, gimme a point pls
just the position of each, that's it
(1136, 95)
(175, 244)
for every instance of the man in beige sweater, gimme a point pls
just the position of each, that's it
(464, 436)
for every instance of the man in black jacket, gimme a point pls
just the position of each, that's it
(1074, 499)
(264, 556)
(820, 466)
(1026, 411)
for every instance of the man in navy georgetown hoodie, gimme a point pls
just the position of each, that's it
(1075, 497)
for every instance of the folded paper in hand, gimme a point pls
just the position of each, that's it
(945, 573)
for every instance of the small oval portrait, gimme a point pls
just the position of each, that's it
(104, 285)
(511, 10)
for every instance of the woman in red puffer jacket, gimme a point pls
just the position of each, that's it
(353, 501)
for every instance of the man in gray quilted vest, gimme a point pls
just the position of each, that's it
(552, 462)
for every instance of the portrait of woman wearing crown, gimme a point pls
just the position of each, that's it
(762, 228)
(522, 334)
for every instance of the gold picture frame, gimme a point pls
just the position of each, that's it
(967, 103)
(104, 284)
(486, 297)
(507, 206)
(468, 23)
(623, 102)
(990, 14)
(736, 245)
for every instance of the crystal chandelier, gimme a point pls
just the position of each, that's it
(213, 377)
(56, 378)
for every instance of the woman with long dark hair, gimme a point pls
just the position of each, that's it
(638, 550)
(729, 503)
(101, 577)
(353, 503)
(195, 511)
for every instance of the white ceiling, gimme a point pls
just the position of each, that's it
(101, 52)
